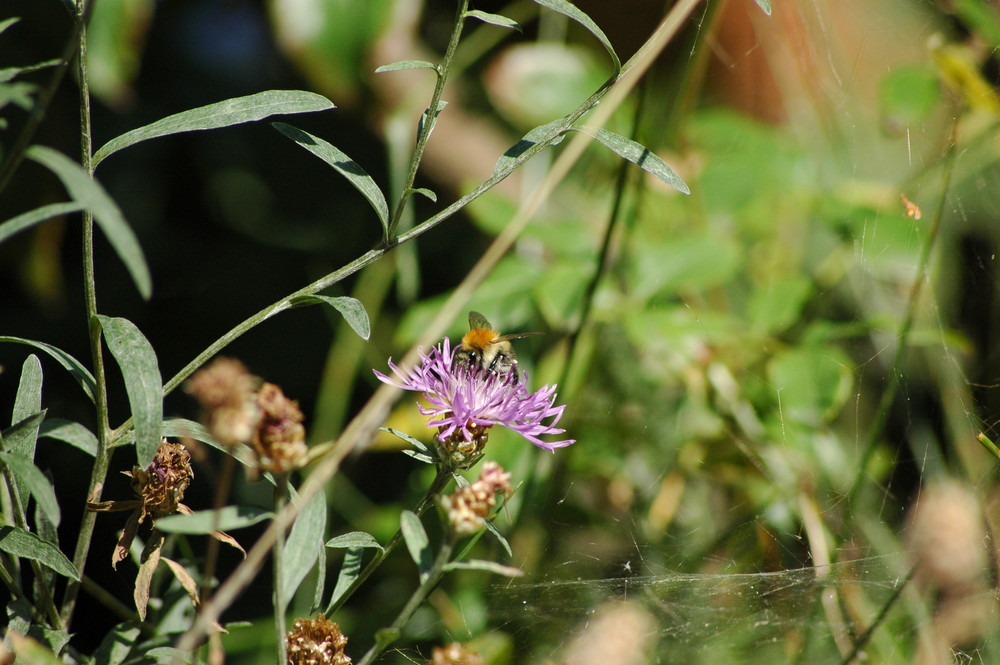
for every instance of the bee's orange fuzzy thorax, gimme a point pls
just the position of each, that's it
(479, 338)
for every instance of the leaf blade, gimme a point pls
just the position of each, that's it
(355, 539)
(406, 64)
(229, 112)
(571, 11)
(202, 522)
(493, 19)
(352, 309)
(27, 545)
(303, 546)
(37, 216)
(639, 155)
(30, 479)
(71, 364)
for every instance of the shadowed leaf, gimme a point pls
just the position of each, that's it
(24, 544)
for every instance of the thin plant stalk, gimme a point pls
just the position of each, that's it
(278, 559)
(387, 636)
(102, 459)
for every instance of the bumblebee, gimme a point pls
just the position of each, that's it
(483, 346)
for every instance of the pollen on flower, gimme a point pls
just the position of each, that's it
(316, 642)
(468, 508)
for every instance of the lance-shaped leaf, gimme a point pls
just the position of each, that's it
(21, 543)
(352, 310)
(764, 5)
(355, 540)
(350, 570)
(416, 541)
(69, 432)
(344, 165)
(639, 155)
(508, 160)
(432, 119)
(493, 19)
(37, 216)
(406, 64)
(304, 544)
(571, 10)
(88, 192)
(117, 644)
(489, 566)
(207, 521)
(27, 415)
(235, 111)
(141, 372)
(71, 364)
(30, 479)
(20, 440)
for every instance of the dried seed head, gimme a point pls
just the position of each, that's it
(225, 390)
(454, 654)
(469, 506)
(161, 486)
(457, 452)
(947, 538)
(316, 642)
(279, 438)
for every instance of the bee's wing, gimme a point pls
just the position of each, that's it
(504, 338)
(477, 320)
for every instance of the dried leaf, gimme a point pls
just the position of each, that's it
(150, 559)
(125, 542)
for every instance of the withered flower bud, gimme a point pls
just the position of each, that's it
(225, 390)
(161, 486)
(454, 654)
(316, 642)
(279, 438)
(469, 506)
(458, 452)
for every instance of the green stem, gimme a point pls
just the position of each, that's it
(387, 636)
(102, 460)
(440, 480)
(864, 637)
(431, 117)
(278, 559)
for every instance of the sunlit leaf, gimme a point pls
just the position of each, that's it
(235, 111)
(38, 215)
(7, 22)
(354, 539)
(344, 165)
(89, 193)
(352, 309)
(765, 5)
(27, 403)
(20, 439)
(206, 521)
(143, 579)
(349, 572)
(639, 155)
(21, 543)
(489, 566)
(304, 544)
(570, 10)
(508, 160)
(425, 192)
(30, 478)
(416, 443)
(416, 541)
(69, 432)
(406, 64)
(141, 372)
(71, 364)
(8, 73)
(493, 19)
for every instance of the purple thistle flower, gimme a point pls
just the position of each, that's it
(465, 398)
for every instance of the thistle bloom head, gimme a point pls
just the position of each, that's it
(462, 402)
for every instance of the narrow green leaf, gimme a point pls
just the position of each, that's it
(141, 372)
(416, 541)
(416, 443)
(226, 113)
(420, 457)
(344, 165)
(69, 432)
(570, 10)
(27, 545)
(406, 64)
(30, 479)
(433, 119)
(19, 439)
(764, 5)
(639, 155)
(87, 191)
(71, 364)
(352, 310)
(37, 216)
(8, 73)
(117, 644)
(425, 192)
(349, 572)
(354, 540)
(499, 536)
(27, 403)
(228, 518)
(304, 545)
(493, 19)
(508, 160)
(489, 566)
(6, 23)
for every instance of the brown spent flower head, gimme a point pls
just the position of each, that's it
(280, 438)
(947, 538)
(458, 453)
(316, 642)
(469, 506)
(454, 654)
(161, 486)
(226, 391)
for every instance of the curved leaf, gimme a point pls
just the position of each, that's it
(406, 64)
(765, 5)
(416, 541)
(27, 403)
(508, 160)
(639, 155)
(26, 545)
(344, 165)
(493, 19)
(37, 216)
(207, 521)
(235, 111)
(354, 539)
(570, 10)
(141, 372)
(70, 432)
(30, 478)
(352, 310)
(88, 192)
(304, 544)
(71, 364)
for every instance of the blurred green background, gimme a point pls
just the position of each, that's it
(723, 368)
